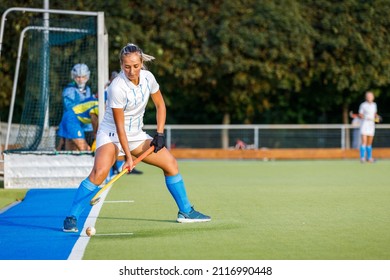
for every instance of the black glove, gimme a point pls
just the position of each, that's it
(158, 142)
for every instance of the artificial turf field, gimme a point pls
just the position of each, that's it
(275, 210)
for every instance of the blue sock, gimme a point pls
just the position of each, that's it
(362, 151)
(83, 195)
(118, 165)
(369, 152)
(177, 189)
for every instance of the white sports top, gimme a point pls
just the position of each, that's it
(122, 93)
(368, 110)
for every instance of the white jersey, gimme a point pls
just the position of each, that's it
(122, 93)
(368, 110)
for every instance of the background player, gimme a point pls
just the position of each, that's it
(368, 114)
(75, 93)
(73, 122)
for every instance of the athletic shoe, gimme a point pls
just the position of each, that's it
(192, 217)
(371, 160)
(70, 224)
(135, 172)
(362, 160)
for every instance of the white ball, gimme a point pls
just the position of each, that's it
(90, 231)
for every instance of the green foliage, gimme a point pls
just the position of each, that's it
(257, 62)
(352, 47)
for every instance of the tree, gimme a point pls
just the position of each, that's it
(245, 61)
(9, 54)
(352, 49)
(227, 57)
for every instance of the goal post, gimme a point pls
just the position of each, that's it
(49, 47)
(98, 62)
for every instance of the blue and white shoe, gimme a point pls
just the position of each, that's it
(70, 224)
(192, 217)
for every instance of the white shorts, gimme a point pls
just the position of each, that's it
(104, 137)
(367, 128)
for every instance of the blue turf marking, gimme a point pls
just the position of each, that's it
(32, 230)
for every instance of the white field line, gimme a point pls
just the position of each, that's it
(114, 234)
(119, 201)
(79, 248)
(9, 206)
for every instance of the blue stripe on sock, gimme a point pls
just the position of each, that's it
(173, 179)
(88, 184)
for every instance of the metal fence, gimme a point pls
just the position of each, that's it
(269, 136)
(258, 136)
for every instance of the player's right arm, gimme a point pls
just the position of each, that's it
(69, 96)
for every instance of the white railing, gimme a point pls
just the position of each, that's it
(256, 136)
(312, 135)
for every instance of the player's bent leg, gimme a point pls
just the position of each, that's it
(70, 145)
(84, 193)
(175, 184)
(104, 159)
(163, 159)
(81, 144)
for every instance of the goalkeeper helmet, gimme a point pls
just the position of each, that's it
(80, 70)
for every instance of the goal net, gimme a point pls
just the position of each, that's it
(50, 49)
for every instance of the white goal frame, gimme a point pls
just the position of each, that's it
(42, 170)
(102, 53)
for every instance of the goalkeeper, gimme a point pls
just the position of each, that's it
(76, 92)
(73, 122)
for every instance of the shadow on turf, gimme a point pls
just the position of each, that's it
(7, 222)
(138, 219)
(182, 228)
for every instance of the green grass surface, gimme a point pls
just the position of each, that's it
(8, 196)
(303, 210)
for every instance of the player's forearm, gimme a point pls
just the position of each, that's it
(123, 141)
(161, 116)
(95, 123)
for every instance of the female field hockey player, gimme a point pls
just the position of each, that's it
(120, 133)
(368, 114)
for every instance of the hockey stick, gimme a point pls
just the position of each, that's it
(96, 198)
